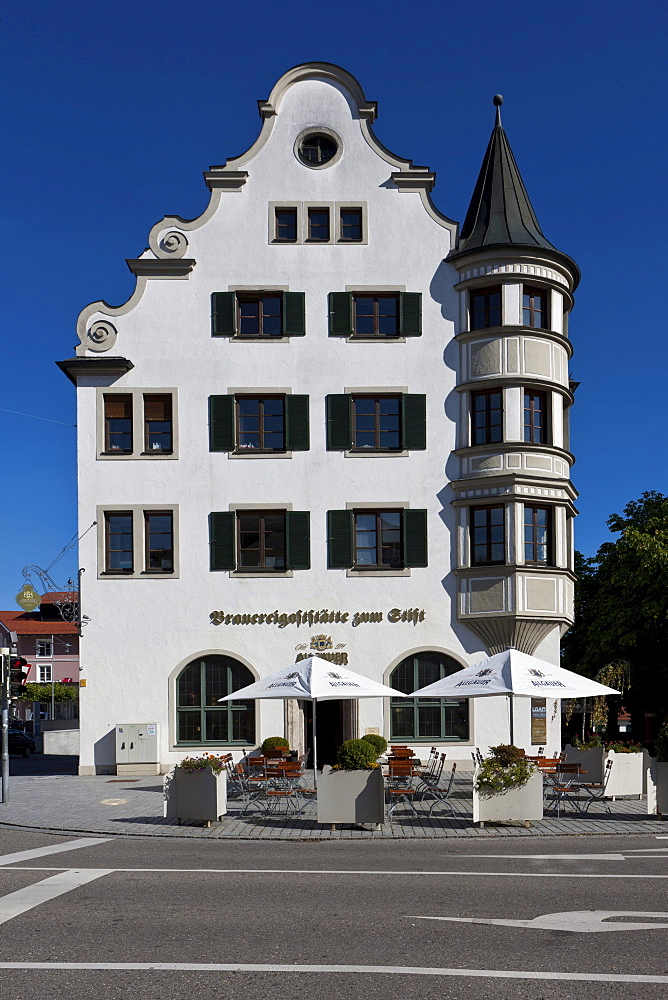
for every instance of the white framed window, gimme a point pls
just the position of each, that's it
(44, 673)
(44, 647)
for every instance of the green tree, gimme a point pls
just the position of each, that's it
(621, 606)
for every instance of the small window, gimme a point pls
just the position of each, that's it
(534, 308)
(44, 647)
(158, 423)
(535, 417)
(378, 539)
(119, 549)
(317, 148)
(286, 225)
(351, 225)
(159, 536)
(487, 417)
(376, 315)
(260, 423)
(260, 316)
(118, 424)
(318, 225)
(485, 307)
(488, 535)
(261, 540)
(537, 535)
(44, 673)
(377, 423)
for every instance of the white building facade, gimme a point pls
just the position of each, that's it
(326, 419)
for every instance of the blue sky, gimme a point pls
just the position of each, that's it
(112, 111)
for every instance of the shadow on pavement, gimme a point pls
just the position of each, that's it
(43, 765)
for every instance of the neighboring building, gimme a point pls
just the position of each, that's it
(325, 420)
(49, 644)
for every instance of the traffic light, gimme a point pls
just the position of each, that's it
(17, 676)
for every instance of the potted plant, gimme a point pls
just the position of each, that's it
(353, 791)
(657, 785)
(196, 790)
(379, 743)
(507, 787)
(274, 743)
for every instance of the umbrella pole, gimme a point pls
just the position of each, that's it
(510, 716)
(315, 748)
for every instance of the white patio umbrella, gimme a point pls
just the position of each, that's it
(513, 673)
(314, 679)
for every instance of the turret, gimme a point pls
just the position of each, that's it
(513, 489)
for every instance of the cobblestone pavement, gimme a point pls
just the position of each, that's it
(134, 806)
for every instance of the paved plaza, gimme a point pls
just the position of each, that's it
(134, 806)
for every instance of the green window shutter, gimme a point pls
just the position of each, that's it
(339, 539)
(410, 306)
(296, 423)
(221, 423)
(298, 539)
(339, 423)
(222, 540)
(223, 314)
(415, 537)
(414, 422)
(340, 314)
(294, 322)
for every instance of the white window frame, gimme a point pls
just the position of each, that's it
(48, 641)
(44, 669)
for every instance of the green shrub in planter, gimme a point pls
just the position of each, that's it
(272, 742)
(379, 743)
(661, 744)
(356, 755)
(506, 754)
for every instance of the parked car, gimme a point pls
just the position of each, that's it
(21, 743)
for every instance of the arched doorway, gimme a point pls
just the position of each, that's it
(200, 719)
(425, 719)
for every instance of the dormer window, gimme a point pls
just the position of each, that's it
(485, 307)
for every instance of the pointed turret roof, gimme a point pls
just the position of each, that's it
(500, 214)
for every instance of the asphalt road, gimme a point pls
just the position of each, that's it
(202, 919)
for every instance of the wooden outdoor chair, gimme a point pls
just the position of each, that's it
(400, 786)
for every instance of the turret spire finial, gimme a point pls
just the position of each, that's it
(498, 101)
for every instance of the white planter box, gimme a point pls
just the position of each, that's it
(626, 777)
(657, 787)
(515, 804)
(591, 762)
(351, 796)
(628, 771)
(198, 797)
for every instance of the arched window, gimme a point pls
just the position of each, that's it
(426, 718)
(200, 719)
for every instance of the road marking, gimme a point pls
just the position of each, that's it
(337, 871)
(113, 802)
(553, 857)
(388, 970)
(16, 903)
(40, 852)
(574, 921)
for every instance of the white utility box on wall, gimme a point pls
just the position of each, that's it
(137, 748)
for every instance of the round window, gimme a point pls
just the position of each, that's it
(317, 148)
